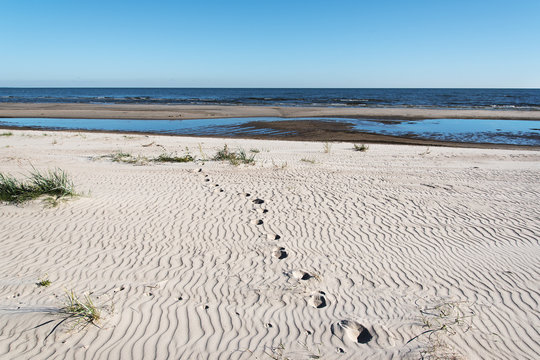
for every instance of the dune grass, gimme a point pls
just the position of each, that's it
(234, 157)
(6, 133)
(83, 311)
(44, 282)
(128, 158)
(362, 148)
(54, 183)
(171, 158)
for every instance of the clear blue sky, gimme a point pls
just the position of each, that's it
(274, 43)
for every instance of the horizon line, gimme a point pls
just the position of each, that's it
(250, 87)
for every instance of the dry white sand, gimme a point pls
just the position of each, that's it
(187, 266)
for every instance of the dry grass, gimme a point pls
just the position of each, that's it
(442, 320)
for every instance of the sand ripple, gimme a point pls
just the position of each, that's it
(193, 270)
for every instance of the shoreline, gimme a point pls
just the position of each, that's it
(305, 130)
(178, 112)
(320, 134)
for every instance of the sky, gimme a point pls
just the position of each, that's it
(258, 43)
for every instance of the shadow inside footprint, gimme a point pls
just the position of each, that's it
(353, 330)
(364, 337)
(279, 253)
(258, 201)
(300, 275)
(317, 300)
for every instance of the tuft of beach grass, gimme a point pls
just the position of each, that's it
(54, 183)
(362, 148)
(84, 311)
(234, 157)
(171, 158)
(44, 281)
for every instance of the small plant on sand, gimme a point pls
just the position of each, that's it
(443, 319)
(171, 158)
(426, 152)
(44, 281)
(7, 133)
(281, 353)
(311, 161)
(119, 156)
(54, 183)
(327, 147)
(203, 155)
(127, 158)
(79, 312)
(362, 148)
(234, 157)
(255, 151)
(82, 311)
(283, 165)
(277, 353)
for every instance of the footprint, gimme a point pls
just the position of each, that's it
(273, 237)
(262, 211)
(258, 201)
(206, 180)
(353, 330)
(258, 222)
(300, 275)
(247, 194)
(279, 252)
(317, 299)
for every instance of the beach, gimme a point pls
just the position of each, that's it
(314, 250)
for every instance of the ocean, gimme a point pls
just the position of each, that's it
(501, 99)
